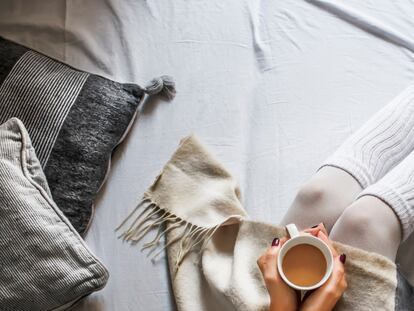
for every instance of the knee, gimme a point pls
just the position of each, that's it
(310, 194)
(308, 207)
(355, 221)
(369, 224)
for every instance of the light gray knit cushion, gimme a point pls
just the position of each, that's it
(44, 264)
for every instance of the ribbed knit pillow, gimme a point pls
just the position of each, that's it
(75, 120)
(44, 263)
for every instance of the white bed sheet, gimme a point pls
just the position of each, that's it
(271, 87)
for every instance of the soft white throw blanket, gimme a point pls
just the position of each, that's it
(213, 247)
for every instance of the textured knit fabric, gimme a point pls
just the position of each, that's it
(396, 188)
(404, 299)
(213, 249)
(75, 120)
(44, 263)
(383, 141)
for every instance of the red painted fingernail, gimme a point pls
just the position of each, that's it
(275, 242)
(342, 258)
(315, 226)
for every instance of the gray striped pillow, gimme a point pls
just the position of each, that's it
(44, 263)
(75, 120)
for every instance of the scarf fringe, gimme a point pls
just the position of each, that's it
(147, 216)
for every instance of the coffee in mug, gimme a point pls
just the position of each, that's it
(305, 262)
(304, 265)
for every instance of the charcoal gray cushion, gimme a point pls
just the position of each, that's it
(44, 263)
(75, 120)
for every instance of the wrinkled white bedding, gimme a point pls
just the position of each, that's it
(272, 87)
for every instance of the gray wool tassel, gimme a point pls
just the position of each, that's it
(163, 85)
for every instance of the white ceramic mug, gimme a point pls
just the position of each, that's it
(297, 238)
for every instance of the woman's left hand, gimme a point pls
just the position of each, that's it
(282, 297)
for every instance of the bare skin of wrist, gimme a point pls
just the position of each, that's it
(281, 308)
(322, 303)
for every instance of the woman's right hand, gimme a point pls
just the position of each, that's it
(325, 297)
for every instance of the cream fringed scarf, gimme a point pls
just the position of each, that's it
(212, 247)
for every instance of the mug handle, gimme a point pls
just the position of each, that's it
(292, 230)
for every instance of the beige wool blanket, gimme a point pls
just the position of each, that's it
(213, 247)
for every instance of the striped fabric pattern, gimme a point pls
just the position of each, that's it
(50, 88)
(44, 263)
(75, 120)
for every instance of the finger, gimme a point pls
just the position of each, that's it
(339, 278)
(276, 243)
(268, 261)
(338, 272)
(312, 231)
(283, 240)
(308, 293)
(323, 228)
(325, 238)
(315, 229)
(340, 264)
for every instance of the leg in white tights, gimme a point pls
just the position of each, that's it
(383, 214)
(323, 198)
(386, 139)
(369, 224)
